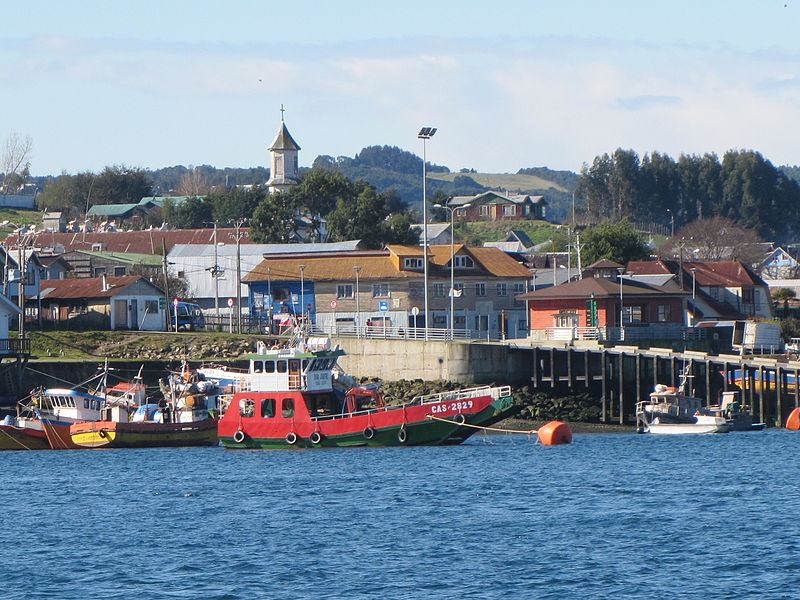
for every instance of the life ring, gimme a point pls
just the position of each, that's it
(315, 437)
(238, 437)
(459, 418)
(291, 438)
(369, 433)
(402, 434)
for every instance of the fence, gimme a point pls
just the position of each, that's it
(629, 333)
(14, 346)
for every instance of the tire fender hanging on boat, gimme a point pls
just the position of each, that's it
(459, 418)
(238, 437)
(369, 433)
(402, 434)
(291, 438)
(315, 437)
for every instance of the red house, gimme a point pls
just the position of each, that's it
(587, 308)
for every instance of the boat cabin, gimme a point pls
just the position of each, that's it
(70, 404)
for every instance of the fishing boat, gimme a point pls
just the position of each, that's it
(180, 418)
(20, 432)
(295, 397)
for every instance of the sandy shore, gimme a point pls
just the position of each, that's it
(524, 425)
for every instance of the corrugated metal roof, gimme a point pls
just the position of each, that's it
(600, 287)
(113, 210)
(89, 287)
(229, 249)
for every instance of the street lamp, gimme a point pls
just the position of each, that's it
(358, 311)
(302, 290)
(452, 210)
(425, 134)
(620, 270)
(694, 282)
(671, 223)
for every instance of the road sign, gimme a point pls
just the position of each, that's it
(334, 304)
(415, 311)
(175, 302)
(230, 301)
(383, 306)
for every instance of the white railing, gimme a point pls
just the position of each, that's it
(391, 333)
(664, 331)
(476, 392)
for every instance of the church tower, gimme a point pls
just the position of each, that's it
(283, 167)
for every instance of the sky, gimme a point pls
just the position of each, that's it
(508, 84)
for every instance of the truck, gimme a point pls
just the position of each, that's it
(188, 316)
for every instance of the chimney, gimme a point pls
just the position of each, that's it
(104, 285)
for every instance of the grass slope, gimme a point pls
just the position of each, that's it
(18, 217)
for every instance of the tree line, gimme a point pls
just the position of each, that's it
(743, 186)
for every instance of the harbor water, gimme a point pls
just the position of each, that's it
(610, 516)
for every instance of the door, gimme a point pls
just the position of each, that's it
(294, 374)
(134, 308)
(120, 314)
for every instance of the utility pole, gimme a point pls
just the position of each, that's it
(215, 273)
(166, 285)
(238, 224)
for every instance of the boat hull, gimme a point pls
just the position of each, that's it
(711, 426)
(109, 434)
(22, 438)
(406, 425)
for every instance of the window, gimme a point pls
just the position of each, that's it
(459, 290)
(247, 407)
(281, 366)
(484, 211)
(460, 322)
(288, 408)
(412, 263)
(509, 210)
(269, 366)
(566, 318)
(380, 290)
(99, 271)
(119, 271)
(663, 313)
(502, 289)
(519, 288)
(632, 314)
(464, 262)
(480, 289)
(344, 290)
(438, 290)
(267, 408)
(440, 321)
(150, 306)
(747, 295)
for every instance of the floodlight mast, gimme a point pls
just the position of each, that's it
(425, 134)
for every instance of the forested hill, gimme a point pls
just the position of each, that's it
(742, 186)
(390, 167)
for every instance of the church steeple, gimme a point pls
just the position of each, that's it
(283, 166)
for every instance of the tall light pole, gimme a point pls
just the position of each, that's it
(425, 134)
(671, 223)
(302, 291)
(452, 210)
(620, 270)
(694, 282)
(357, 269)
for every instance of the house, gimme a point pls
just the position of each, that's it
(589, 307)
(515, 240)
(498, 206)
(8, 311)
(196, 262)
(386, 287)
(438, 233)
(719, 290)
(129, 302)
(133, 214)
(54, 266)
(10, 275)
(54, 221)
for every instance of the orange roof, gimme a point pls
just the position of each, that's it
(89, 287)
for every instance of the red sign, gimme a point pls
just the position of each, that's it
(230, 301)
(334, 304)
(175, 302)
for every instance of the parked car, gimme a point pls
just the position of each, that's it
(189, 316)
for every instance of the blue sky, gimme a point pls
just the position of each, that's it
(508, 84)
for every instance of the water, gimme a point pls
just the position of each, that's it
(611, 516)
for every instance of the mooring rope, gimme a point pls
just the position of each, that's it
(528, 432)
(13, 439)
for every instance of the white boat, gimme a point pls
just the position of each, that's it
(673, 411)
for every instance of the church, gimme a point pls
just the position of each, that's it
(284, 167)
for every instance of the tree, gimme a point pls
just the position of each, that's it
(717, 238)
(69, 193)
(178, 286)
(235, 203)
(273, 220)
(193, 183)
(14, 162)
(120, 184)
(614, 240)
(192, 213)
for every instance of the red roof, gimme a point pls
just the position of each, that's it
(599, 287)
(89, 287)
(141, 242)
(726, 273)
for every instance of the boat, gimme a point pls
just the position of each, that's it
(57, 409)
(20, 432)
(735, 413)
(295, 397)
(180, 418)
(671, 411)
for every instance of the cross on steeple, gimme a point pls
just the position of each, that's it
(281, 112)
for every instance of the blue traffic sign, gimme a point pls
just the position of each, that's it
(383, 305)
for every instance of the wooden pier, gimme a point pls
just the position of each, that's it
(623, 375)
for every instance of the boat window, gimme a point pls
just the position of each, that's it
(71, 402)
(281, 366)
(85, 403)
(303, 364)
(247, 407)
(268, 408)
(269, 366)
(288, 408)
(258, 366)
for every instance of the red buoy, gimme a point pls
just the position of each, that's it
(793, 422)
(555, 433)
